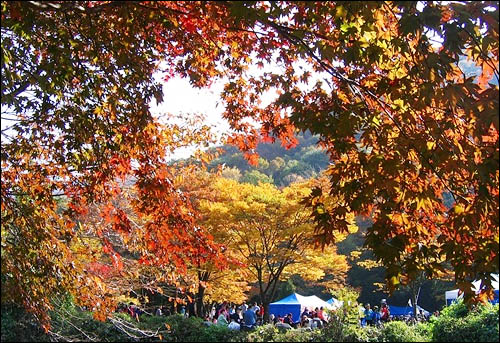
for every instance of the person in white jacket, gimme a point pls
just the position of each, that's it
(233, 325)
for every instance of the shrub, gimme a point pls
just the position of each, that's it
(69, 322)
(355, 333)
(332, 331)
(298, 335)
(424, 330)
(19, 326)
(219, 333)
(344, 322)
(397, 331)
(183, 329)
(458, 324)
(192, 329)
(265, 333)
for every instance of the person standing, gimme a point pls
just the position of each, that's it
(384, 313)
(321, 315)
(368, 315)
(376, 316)
(249, 318)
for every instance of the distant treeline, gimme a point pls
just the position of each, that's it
(277, 165)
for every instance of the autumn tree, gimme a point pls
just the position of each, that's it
(416, 277)
(402, 122)
(271, 232)
(399, 118)
(75, 97)
(113, 258)
(213, 283)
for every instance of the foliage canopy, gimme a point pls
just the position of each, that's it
(397, 116)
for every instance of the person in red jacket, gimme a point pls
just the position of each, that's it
(321, 316)
(384, 312)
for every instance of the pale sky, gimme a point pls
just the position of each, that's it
(179, 97)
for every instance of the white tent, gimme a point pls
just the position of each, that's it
(451, 296)
(456, 294)
(335, 303)
(311, 302)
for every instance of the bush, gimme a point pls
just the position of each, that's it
(401, 332)
(458, 324)
(344, 322)
(355, 333)
(265, 333)
(69, 322)
(19, 326)
(192, 329)
(424, 330)
(219, 333)
(183, 329)
(332, 331)
(299, 335)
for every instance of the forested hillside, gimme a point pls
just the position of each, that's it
(277, 165)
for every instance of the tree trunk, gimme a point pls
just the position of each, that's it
(414, 302)
(200, 309)
(175, 301)
(266, 311)
(192, 306)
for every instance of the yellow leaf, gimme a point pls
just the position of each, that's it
(400, 73)
(399, 102)
(430, 145)
(340, 11)
(369, 35)
(420, 202)
(394, 281)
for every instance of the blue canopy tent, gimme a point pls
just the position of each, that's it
(405, 310)
(290, 304)
(400, 310)
(295, 304)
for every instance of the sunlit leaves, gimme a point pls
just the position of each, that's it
(401, 122)
(270, 232)
(77, 81)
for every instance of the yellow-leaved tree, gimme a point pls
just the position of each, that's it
(214, 284)
(271, 232)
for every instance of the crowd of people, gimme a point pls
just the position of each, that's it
(235, 317)
(131, 309)
(376, 316)
(246, 317)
